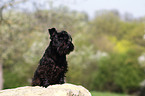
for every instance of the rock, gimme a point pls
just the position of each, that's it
(54, 90)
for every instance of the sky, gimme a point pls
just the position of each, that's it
(135, 7)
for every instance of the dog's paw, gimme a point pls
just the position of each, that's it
(46, 85)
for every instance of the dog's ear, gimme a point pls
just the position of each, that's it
(52, 32)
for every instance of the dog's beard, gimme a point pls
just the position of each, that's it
(65, 48)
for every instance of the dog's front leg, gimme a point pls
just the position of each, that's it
(46, 83)
(61, 80)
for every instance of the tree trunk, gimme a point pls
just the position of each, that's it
(1, 77)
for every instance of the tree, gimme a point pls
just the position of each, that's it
(6, 4)
(3, 6)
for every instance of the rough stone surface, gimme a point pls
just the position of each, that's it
(54, 90)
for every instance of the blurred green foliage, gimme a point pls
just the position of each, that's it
(119, 73)
(106, 48)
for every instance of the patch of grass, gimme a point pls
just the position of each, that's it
(94, 93)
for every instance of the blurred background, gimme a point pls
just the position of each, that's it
(109, 39)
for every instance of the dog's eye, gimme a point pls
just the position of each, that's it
(61, 38)
(65, 38)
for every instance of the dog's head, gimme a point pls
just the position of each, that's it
(61, 41)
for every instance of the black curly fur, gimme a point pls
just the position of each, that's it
(53, 65)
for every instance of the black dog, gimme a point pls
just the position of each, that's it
(53, 65)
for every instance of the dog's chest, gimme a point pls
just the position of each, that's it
(61, 62)
(59, 66)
